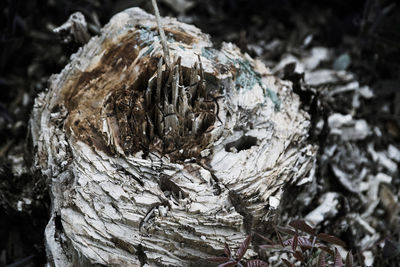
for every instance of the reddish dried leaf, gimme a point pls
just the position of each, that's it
(298, 255)
(227, 250)
(266, 239)
(338, 259)
(285, 230)
(287, 242)
(326, 249)
(288, 263)
(302, 226)
(228, 264)
(349, 259)
(321, 260)
(218, 259)
(279, 238)
(294, 242)
(331, 239)
(243, 248)
(256, 263)
(304, 241)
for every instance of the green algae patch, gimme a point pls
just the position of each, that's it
(274, 98)
(146, 36)
(208, 53)
(247, 78)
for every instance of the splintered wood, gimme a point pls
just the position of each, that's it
(160, 164)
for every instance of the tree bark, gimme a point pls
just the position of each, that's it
(160, 164)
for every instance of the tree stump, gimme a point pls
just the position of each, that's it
(160, 161)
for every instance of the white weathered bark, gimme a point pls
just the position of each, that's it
(162, 164)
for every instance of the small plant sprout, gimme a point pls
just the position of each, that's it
(229, 260)
(306, 249)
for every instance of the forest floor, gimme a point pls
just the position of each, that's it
(342, 57)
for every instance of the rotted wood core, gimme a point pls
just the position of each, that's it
(170, 112)
(159, 108)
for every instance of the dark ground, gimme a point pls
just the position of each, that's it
(369, 31)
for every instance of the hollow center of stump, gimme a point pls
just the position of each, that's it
(169, 111)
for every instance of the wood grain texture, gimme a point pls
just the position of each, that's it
(158, 165)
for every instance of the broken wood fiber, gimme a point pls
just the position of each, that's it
(160, 164)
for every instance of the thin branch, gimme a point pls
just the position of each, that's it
(162, 34)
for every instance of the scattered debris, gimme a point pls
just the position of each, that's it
(368, 258)
(342, 62)
(327, 208)
(353, 158)
(389, 202)
(74, 29)
(348, 128)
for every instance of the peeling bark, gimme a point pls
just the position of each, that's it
(156, 164)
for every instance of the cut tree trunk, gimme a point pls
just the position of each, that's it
(159, 161)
